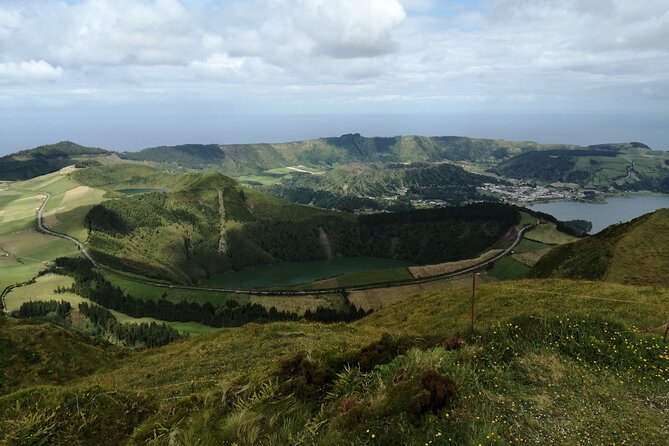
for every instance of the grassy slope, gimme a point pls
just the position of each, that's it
(555, 396)
(251, 159)
(44, 289)
(34, 353)
(592, 171)
(28, 248)
(43, 160)
(631, 252)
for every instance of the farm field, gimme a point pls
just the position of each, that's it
(23, 250)
(43, 289)
(509, 268)
(548, 233)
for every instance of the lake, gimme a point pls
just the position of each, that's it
(295, 273)
(616, 209)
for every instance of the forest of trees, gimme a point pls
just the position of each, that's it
(148, 335)
(41, 308)
(91, 285)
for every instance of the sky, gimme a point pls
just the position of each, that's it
(128, 74)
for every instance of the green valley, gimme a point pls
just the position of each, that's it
(225, 312)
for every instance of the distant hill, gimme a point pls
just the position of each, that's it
(194, 156)
(352, 185)
(636, 253)
(237, 159)
(210, 224)
(44, 159)
(628, 166)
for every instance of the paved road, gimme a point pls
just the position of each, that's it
(507, 251)
(44, 229)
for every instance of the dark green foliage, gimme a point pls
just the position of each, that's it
(549, 165)
(303, 377)
(187, 155)
(579, 228)
(57, 416)
(177, 235)
(350, 187)
(308, 376)
(408, 397)
(436, 235)
(92, 285)
(40, 308)
(382, 351)
(42, 160)
(82, 164)
(147, 335)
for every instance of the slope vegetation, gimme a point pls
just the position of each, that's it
(631, 166)
(44, 159)
(634, 252)
(210, 224)
(239, 159)
(537, 374)
(38, 353)
(351, 185)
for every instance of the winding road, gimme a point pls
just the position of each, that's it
(507, 251)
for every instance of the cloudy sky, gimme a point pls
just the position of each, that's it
(126, 74)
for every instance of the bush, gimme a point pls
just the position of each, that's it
(453, 343)
(414, 397)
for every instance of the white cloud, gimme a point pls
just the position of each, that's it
(32, 70)
(350, 28)
(512, 51)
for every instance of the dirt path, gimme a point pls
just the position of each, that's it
(222, 241)
(325, 243)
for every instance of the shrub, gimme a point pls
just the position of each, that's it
(453, 343)
(414, 397)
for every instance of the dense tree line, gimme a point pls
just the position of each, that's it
(149, 335)
(91, 285)
(40, 308)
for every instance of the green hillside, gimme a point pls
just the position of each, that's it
(351, 186)
(194, 156)
(633, 252)
(240, 159)
(210, 224)
(544, 367)
(631, 166)
(44, 159)
(38, 353)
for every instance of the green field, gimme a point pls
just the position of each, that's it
(530, 245)
(43, 289)
(296, 273)
(23, 250)
(365, 277)
(548, 233)
(151, 292)
(526, 219)
(509, 268)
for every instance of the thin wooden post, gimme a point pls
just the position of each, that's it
(666, 332)
(473, 299)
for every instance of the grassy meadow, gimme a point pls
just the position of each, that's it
(584, 363)
(23, 250)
